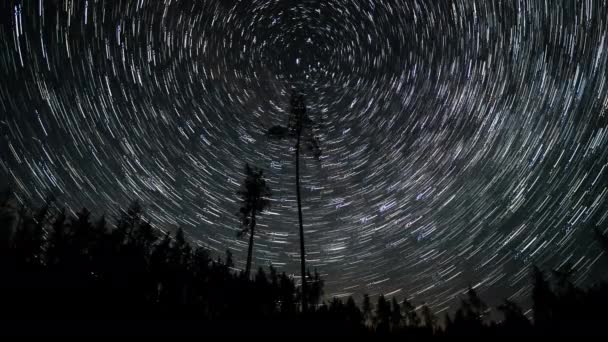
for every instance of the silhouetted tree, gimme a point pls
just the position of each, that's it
(354, 317)
(286, 294)
(298, 122)
(602, 238)
(367, 310)
(568, 300)
(255, 196)
(542, 299)
(515, 322)
(29, 233)
(396, 315)
(127, 222)
(428, 318)
(563, 278)
(8, 218)
(382, 318)
(58, 241)
(471, 314)
(315, 290)
(409, 314)
(447, 322)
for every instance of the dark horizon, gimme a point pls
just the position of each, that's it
(78, 275)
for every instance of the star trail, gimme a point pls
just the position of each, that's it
(462, 141)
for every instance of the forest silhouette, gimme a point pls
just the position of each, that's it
(68, 274)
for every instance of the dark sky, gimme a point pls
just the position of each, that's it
(463, 141)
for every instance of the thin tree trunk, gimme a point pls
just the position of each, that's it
(250, 252)
(302, 252)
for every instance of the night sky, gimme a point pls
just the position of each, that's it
(462, 141)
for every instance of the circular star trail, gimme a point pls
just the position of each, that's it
(462, 141)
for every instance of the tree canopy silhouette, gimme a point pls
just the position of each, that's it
(67, 272)
(255, 196)
(299, 123)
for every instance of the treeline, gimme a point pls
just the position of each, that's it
(74, 274)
